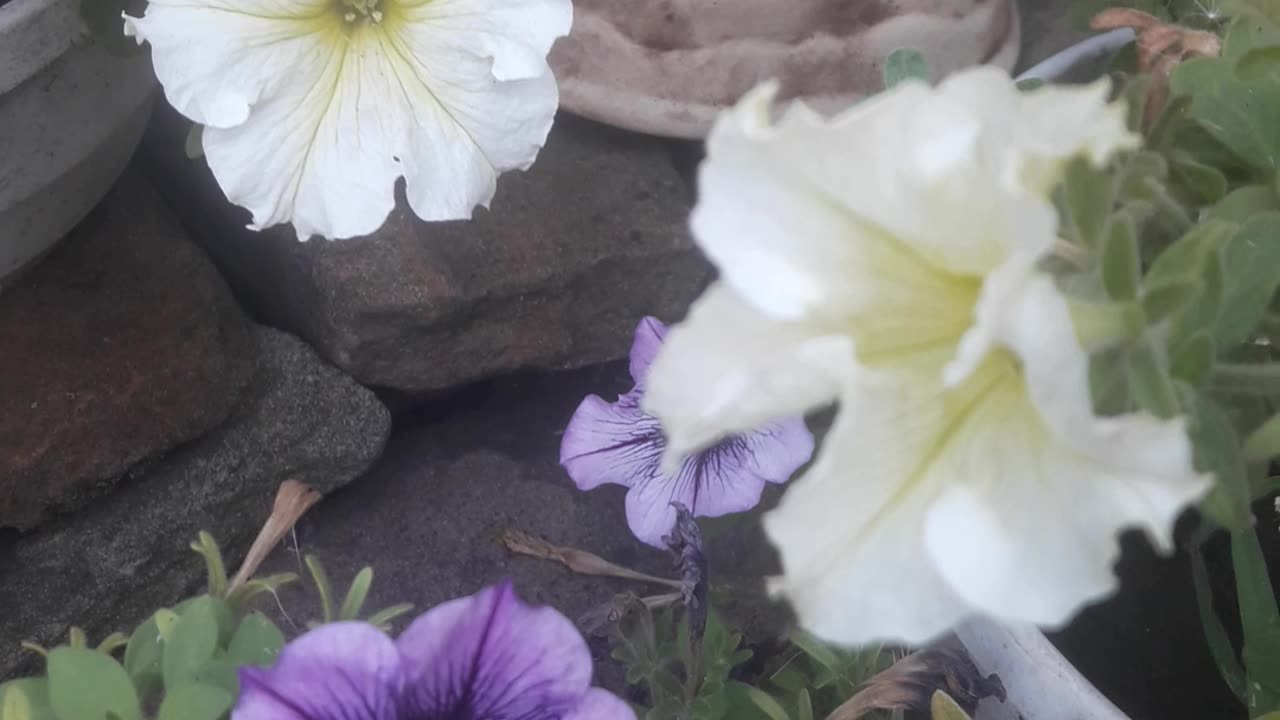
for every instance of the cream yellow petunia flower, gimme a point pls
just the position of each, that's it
(314, 108)
(888, 258)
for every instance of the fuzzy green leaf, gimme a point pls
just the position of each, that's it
(195, 702)
(1121, 266)
(87, 685)
(193, 642)
(1089, 194)
(257, 641)
(1217, 451)
(354, 600)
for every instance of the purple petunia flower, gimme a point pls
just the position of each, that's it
(619, 443)
(484, 657)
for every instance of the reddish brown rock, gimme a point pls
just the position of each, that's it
(556, 275)
(120, 345)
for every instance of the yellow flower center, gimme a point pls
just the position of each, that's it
(359, 11)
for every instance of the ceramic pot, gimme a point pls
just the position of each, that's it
(71, 116)
(669, 67)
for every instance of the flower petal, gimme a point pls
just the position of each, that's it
(849, 531)
(1035, 132)
(492, 656)
(1031, 532)
(312, 120)
(515, 34)
(476, 115)
(601, 705)
(334, 672)
(611, 443)
(200, 52)
(728, 369)
(644, 347)
(798, 230)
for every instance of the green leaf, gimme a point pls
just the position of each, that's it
(757, 699)
(26, 699)
(1244, 115)
(324, 588)
(256, 642)
(195, 702)
(142, 655)
(1217, 451)
(1089, 194)
(1192, 361)
(1109, 382)
(1149, 380)
(87, 685)
(804, 705)
(1243, 203)
(240, 597)
(14, 704)
(904, 64)
(219, 673)
(382, 619)
(942, 707)
(1249, 260)
(1220, 648)
(816, 650)
(112, 642)
(354, 600)
(1263, 443)
(215, 569)
(1030, 84)
(1121, 267)
(1208, 183)
(166, 620)
(193, 642)
(1259, 614)
(1169, 298)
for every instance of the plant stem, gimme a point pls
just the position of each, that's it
(1257, 379)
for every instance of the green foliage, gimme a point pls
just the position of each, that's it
(179, 664)
(1173, 276)
(807, 680)
(904, 64)
(353, 600)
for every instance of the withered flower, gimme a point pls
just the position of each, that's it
(911, 682)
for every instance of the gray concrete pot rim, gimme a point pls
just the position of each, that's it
(34, 33)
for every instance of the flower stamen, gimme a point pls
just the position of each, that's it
(360, 10)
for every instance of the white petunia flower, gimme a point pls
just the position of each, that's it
(314, 108)
(888, 259)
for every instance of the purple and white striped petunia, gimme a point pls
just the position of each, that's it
(619, 443)
(484, 657)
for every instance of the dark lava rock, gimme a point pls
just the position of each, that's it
(556, 275)
(108, 566)
(122, 344)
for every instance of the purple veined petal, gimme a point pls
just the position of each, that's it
(611, 443)
(601, 705)
(778, 449)
(335, 672)
(492, 657)
(725, 478)
(644, 348)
